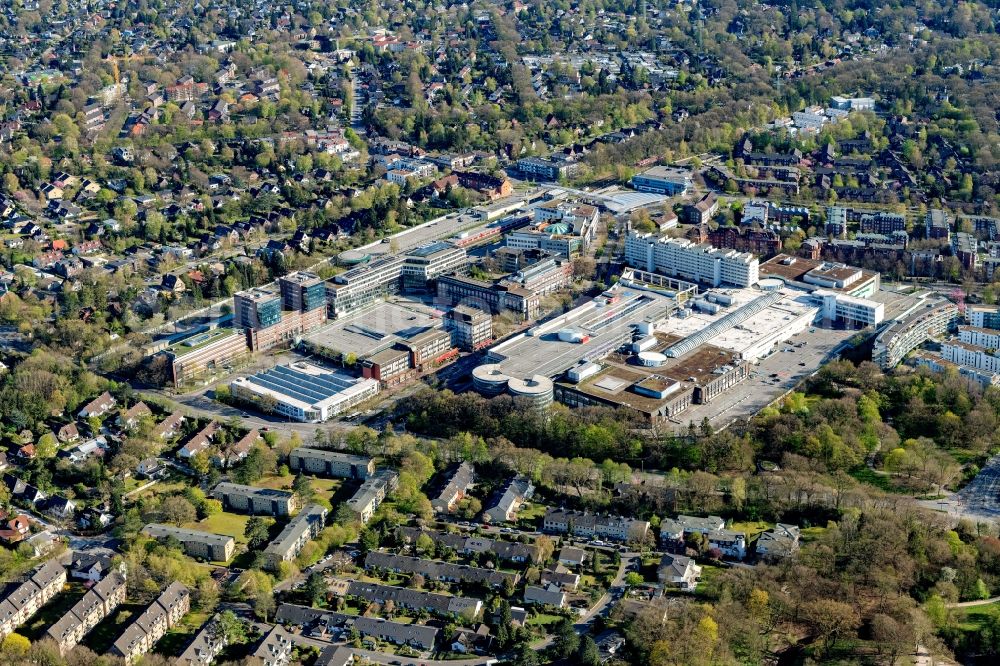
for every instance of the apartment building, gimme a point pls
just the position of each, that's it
(459, 483)
(466, 544)
(971, 356)
(98, 603)
(197, 544)
(255, 501)
(495, 298)
(470, 327)
(207, 644)
(674, 532)
(588, 525)
(678, 257)
(147, 629)
(440, 571)
(508, 502)
(984, 337)
(439, 604)
(372, 492)
(937, 225)
(324, 462)
(275, 648)
(40, 586)
(537, 168)
(296, 534)
(930, 319)
(983, 316)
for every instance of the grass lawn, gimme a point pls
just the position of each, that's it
(177, 638)
(970, 619)
(232, 524)
(107, 632)
(812, 533)
(751, 527)
(544, 619)
(325, 488)
(532, 514)
(881, 481)
(50, 613)
(709, 573)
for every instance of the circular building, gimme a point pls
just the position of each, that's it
(770, 284)
(538, 390)
(488, 379)
(353, 258)
(651, 359)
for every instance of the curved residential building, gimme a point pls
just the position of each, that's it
(931, 319)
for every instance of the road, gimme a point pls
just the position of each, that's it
(973, 604)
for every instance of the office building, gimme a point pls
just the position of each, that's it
(561, 227)
(302, 291)
(813, 274)
(543, 277)
(324, 462)
(200, 356)
(429, 261)
(492, 297)
(303, 392)
(663, 180)
(255, 501)
(681, 258)
(296, 534)
(197, 544)
(851, 311)
(471, 328)
(372, 492)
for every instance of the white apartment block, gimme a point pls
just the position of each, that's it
(982, 337)
(682, 258)
(972, 356)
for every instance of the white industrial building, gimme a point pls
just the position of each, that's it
(852, 311)
(690, 261)
(303, 392)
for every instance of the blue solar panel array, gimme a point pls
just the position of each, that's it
(302, 386)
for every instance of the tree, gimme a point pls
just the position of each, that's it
(588, 654)
(257, 532)
(829, 618)
(15, 646)
(231, 628)
(315, 588)
(634, 579)
(47, 446)
(567, 641)
(302, 486)
(177, 510)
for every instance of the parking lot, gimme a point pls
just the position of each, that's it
(770, 378)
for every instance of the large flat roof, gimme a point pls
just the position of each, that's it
(304, 385)
(543, 353)
(376, 328)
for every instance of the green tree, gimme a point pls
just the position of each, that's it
(257, 531)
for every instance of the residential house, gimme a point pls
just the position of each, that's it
(779, 542)
(584, 524)
(552, 595)
(440, 571)
(679, 572)
(99, 406)
(16, 529)
(517, 491)
(454, 490)
(144, 632)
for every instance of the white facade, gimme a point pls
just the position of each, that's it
(981, 337)
(859, 312)
(972, 356)
(690, 261)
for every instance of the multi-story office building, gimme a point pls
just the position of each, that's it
(495, 298)
(471, 328)
(429, 261)
(364, 285)
(543, 277)
(296, 534)
(323, 462)
(372, 492)
(564, 228)
(813, 274)
(852, 311)
(303, 391)
(698, 263)
(256, 308)
(197, 544)
(200, 356)
(930, 319)
(663, 180)
(255, 501)
(390, 367)
(302, 291)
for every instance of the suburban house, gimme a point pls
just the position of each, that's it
(504, 510)
(584, 524)
(679, 572)
(99, 406)
(454, 490)
(778, 542)
(553, 595)
(675, 531)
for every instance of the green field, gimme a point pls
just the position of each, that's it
(223, 523)
(325, 488)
